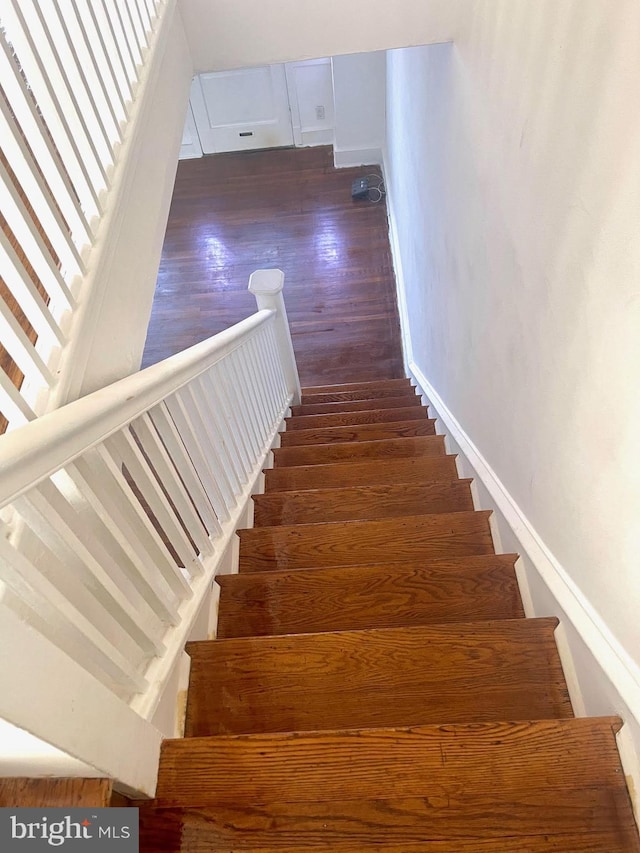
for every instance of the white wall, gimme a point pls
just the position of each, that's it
(123, 265)
(238, 34)
(514, 174)
(359, 86)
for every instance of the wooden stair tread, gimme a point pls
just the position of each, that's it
(418, 469)
(358, 432)
(339, 543)
(463, 672)
(372, 596)
(26, 792)
(343, 504)
(354, 394)
(356, 405)
(357, 386)
(169, 831)
(368, 416)
(350, 451)
(426, 760)
(549, 786)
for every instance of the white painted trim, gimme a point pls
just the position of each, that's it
(396, 257)
(575, 611)
(127, 748)
(348, 157)
(310, 137)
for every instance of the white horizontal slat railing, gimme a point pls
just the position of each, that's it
(117, 509)
(69, 72)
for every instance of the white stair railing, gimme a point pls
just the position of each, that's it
(117, 509)
(68, 75)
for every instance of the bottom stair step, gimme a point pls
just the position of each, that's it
(386, 595)
(508, 669)
(550, 786)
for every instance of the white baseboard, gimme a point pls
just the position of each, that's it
(601, 677)
(348, 157)
(396, 256)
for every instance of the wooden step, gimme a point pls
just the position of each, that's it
(358, 432)
(356, 405)
(372, 416)
(464, 672)
(343, 543)
(23, 792)
(351, 451)
(309, 399)
(549, 786)
(420, 469)
(358, 386)
(318, 505)
(387, 595)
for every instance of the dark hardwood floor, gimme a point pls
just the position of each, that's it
(286, 208)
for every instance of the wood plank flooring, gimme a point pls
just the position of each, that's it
(287, 208)
(54, 793)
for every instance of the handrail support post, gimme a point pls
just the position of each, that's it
(266, 286)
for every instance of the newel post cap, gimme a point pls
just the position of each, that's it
(266, 281)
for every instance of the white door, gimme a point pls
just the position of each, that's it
(237, 110)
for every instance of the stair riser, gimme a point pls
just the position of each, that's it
(352, 451)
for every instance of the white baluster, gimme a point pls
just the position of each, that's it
(67, 626)
(172, 483)
(121, 538)
(112, 71)
(237, 382)
(116, 49)
(12, 404)
(66, 235)
(215, 454)
(122, 447)
(82, 574)
(166, 428)
(223, 437)
(189, 435)
(232, 415)
(93, 60)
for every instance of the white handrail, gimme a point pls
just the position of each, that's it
(41, 447)
(118, 509)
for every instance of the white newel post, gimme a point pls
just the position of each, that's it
(266, 286)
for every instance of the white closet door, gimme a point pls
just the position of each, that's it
(239, 110)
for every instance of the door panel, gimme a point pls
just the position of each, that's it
(238, 110)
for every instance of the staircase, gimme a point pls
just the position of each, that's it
(375, 684)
